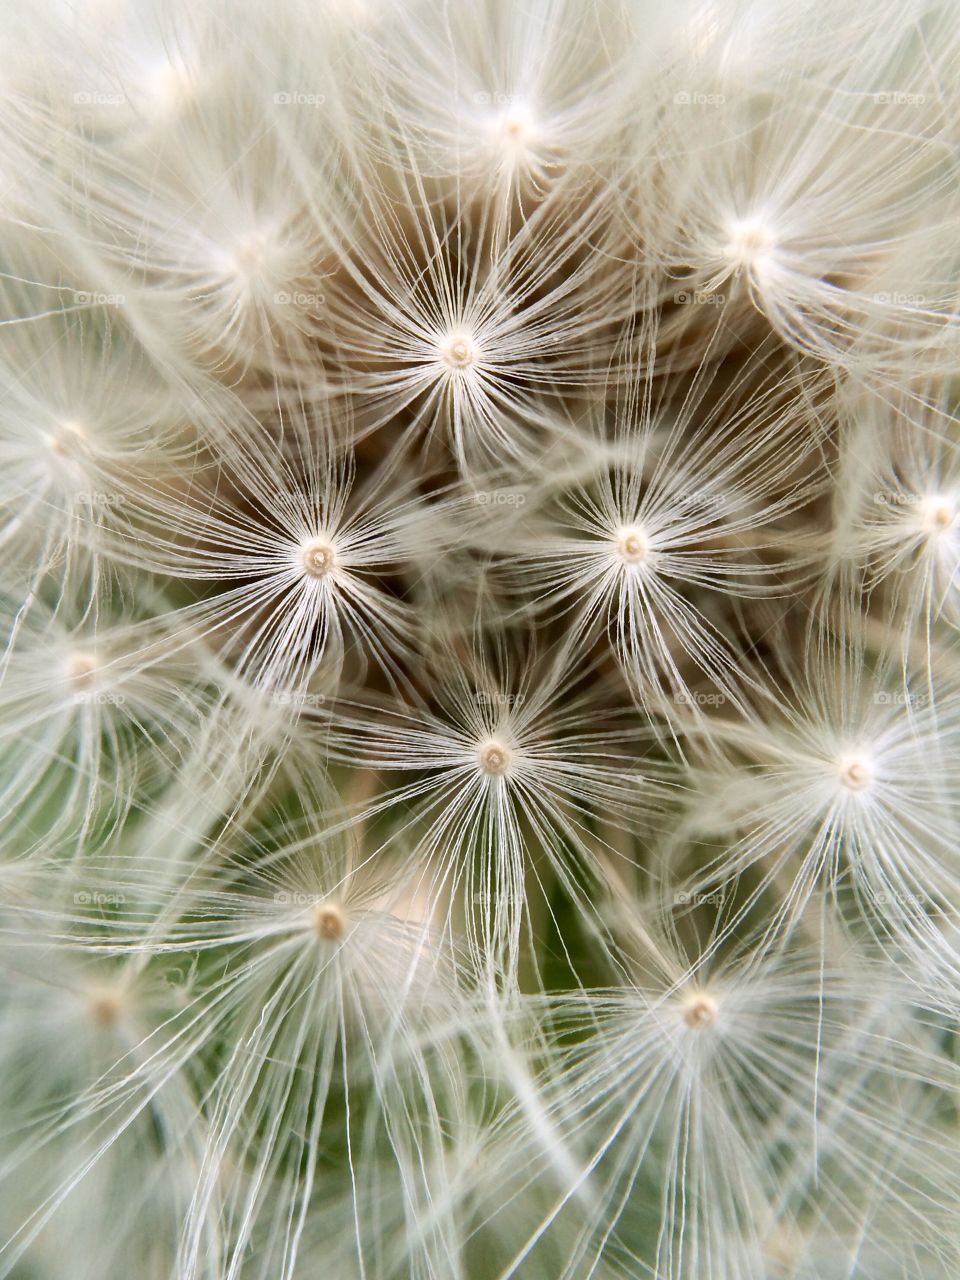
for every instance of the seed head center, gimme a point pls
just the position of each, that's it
(249, 255)
(494, 758)
(318, 558)
(938, 515)
(458, 351)
(329, 922)
(516, 125)
(750, 242)
(699, 1011)
(105, 1006)
(855, 772)
(169, 85)
(81, 668)
(632, 545)
(68, 441)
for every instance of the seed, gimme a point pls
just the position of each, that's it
(938, 515)
(105, 1007)
(80, 669)
(494, 758)
(855, 772)
(458, 351)
(318, 558)
(750, 242)
(632, 545)
(68, 441)
(699, 1011)
(329, 922)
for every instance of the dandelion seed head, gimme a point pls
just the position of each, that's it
(516, 125)
(317, 558)
(252, 263)
(329, 922)
(750, 242)
(458, 351)
(699, 1010)
(250, 255)
(507, 507)
(633, 545)
(71, 432)
(495, 757)
(938, 514)
(80, 669)
(854, 771)
(65, 445)
(167, 86)
(105, 1006)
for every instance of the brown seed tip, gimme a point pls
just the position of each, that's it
(750, 242)
(633, 545)
(80, 669)
(67, 441)
(494, 758)
(105, 1006)
(516, 125)
(458, 351)
(329, 922)
(318, 558)
(249, 254)
(699, 1011)
(855, 772)
(938, 515)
